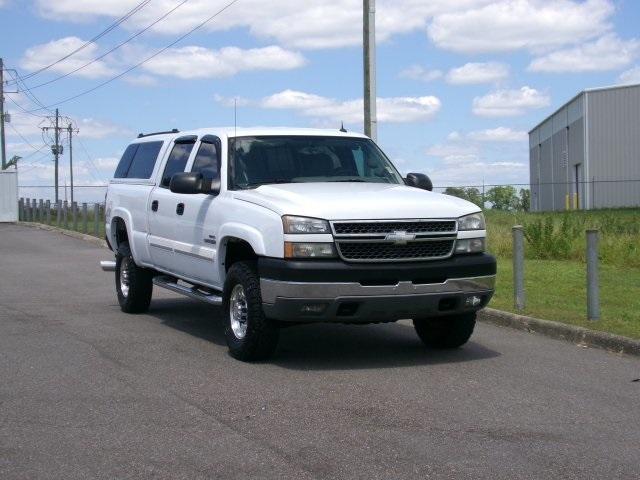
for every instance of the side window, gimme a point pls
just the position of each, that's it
(206, 161)
(144, 160)
(125, 161)
(176, 162)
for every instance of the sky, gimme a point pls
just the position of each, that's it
(460, 83)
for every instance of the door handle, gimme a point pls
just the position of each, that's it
(180, 208)
(154, 205)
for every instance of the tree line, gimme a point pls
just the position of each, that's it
(502, 197)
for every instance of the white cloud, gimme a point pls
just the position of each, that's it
(199, 62)
(391, 110)
(630, 76)
(606, 53)
(449, 151)
(467, 171)
(236, 101)
(473, 73)
(40, 56)
(310, 24)
(507, 103)
(521, 24)
(141, 80)
(418, 72)
(499, 134)
(92, 128)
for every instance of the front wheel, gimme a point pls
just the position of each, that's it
(133, 283)
(446, 332)
(250, 335)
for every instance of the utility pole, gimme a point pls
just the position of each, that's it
(70, 130)
(369, 57)
(56, 148)
(3, 146)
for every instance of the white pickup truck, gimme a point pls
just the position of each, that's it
(284, 226)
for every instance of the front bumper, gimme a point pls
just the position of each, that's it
(336, 291)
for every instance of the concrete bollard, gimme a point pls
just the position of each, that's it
(85, 227)
(65, 214)
(74, 215)
(96, 219)
(518, 267)
(48, 211)
(593, 283)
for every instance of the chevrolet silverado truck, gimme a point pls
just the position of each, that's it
(286, 226)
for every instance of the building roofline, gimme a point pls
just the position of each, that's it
(582, 92)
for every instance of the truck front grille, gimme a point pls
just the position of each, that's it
(386, 251)
(384, 227)
(394, 240)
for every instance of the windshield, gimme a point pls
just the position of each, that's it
(256, 161)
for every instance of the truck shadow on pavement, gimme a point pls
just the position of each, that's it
(323, 346)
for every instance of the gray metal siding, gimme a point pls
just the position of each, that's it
(546, 176)
(576, 157)
(614, 146)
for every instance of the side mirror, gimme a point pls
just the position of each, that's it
(419, 180)
(186, 182)
(192, 183)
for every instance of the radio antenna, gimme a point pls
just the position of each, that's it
(235, 116)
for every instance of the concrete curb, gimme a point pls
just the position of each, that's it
(70, 233)
(562, 331)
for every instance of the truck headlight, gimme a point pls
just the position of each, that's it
(475, 221)
(293, 224)
(309, 250)
(470, 245)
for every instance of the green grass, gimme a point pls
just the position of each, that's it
(555, 270)
(556, 290)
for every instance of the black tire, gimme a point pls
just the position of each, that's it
(137, 297)
(260, 336)
(446, 332)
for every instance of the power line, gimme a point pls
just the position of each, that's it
(109, 28)
(182, 37)
(132, 37)
(86, 153)
(24, 110)
(21, 136)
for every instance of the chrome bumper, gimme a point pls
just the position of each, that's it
(274, 289)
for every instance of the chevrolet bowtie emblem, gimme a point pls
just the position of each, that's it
(400, 237)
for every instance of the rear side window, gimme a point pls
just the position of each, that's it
(176, 162)
(125, 161)
(138, 160)
(144, 160)
(206, 161)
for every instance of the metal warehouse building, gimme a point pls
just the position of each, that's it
(587, 153)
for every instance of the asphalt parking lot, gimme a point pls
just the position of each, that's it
(89, 392)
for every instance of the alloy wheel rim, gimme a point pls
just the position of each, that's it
(124, 277)
(238, 312)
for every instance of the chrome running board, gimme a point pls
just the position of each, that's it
(170, 283)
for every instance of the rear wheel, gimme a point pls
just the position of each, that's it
(133, 283)
(446, 332)
(250, 335)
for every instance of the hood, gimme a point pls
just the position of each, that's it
(355, 201)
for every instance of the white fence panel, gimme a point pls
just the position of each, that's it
(8, 196)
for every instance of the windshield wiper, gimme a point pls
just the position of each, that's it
(349, 180)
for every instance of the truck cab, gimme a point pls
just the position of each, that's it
(282, 226)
